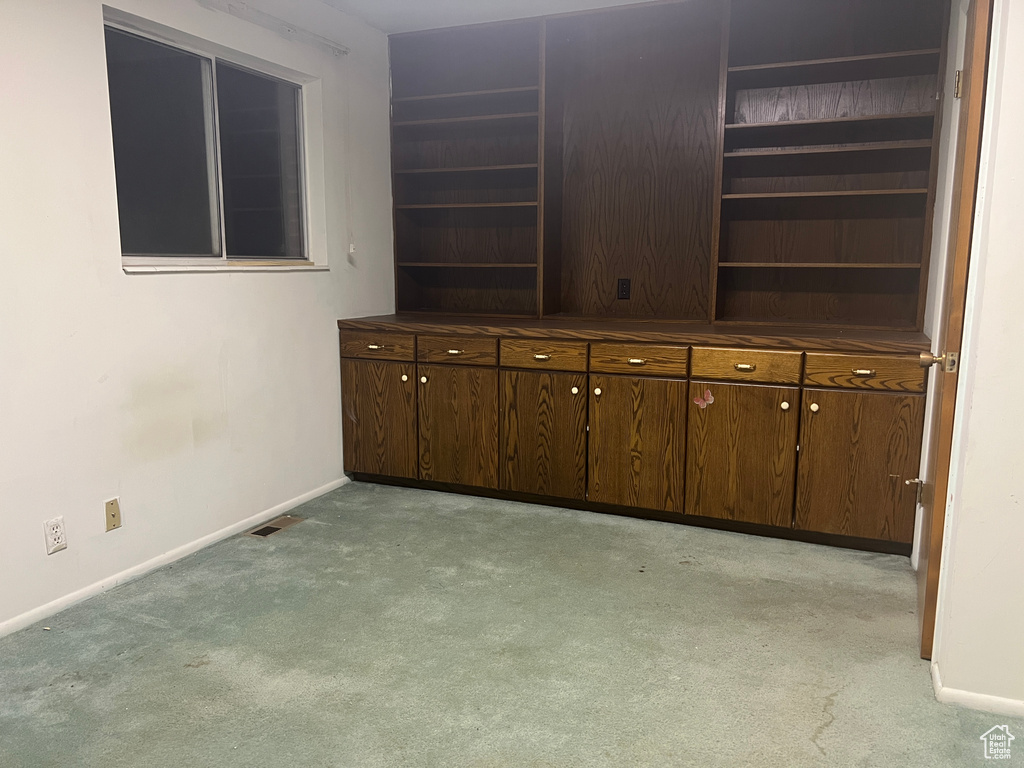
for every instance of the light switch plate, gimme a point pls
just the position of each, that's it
(113, 513)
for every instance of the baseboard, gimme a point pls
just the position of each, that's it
(981, 701)
(37, 614)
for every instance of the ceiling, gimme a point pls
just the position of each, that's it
(406, 15)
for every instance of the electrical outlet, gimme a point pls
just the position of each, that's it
(56, 539)
(113, 514)
(623, 290)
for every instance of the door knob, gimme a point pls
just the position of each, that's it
(814, 407)
(575, 390)
(423, 379)
(597, 391)
(784, 406)
(404, 377)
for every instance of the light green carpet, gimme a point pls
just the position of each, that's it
(400, 627)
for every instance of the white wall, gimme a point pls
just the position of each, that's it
(200, 400)
(979, 651)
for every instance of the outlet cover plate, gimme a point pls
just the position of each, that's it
(56, 538)
(622, 289)
(113, 514)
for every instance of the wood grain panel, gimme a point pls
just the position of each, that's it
(637, 442)
(377, 345)
(823, 101)
(494, 291)
(835, 241)
(635, 359)
(897, 374)
(461, 236)
(770, 366)
(458, 424)
(460, 59)
(856, 452)
(553, 355)
(457, 350)
(885, 299)
(544, 438)
(741, 453)
(792, 30)
(639, 124)
(379, 417)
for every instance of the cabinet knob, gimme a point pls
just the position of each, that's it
(423, 379)
(405, 377)
(784, 406)
(597, 391)
(575, 390)
(542, 358)
(814, 407)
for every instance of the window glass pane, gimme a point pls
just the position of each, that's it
(259, 139)
(163, 154)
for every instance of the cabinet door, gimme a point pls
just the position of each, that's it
(857, 449)
(741, 452)
(378, 402)
(459, 424)
(637, 442)
(544, 433)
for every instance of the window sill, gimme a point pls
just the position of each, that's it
(132, 266)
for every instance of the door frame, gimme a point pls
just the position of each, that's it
(949, 331)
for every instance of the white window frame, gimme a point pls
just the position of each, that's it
(311, 184)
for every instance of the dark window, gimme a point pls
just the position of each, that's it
(181, 194)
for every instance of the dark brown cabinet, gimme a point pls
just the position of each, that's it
(637, 442)
(379, 417)
(857, 450)
(458, 424)
(741, 452)
(544, 433)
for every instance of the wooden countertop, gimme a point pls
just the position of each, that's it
(695, 333)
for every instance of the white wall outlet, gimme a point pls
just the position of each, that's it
(56, 539)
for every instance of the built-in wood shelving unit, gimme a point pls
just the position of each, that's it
(788, 178)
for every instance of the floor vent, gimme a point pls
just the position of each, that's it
(275, 525)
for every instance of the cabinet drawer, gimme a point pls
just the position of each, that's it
(639, 359)
(887, 372)
(768, 366)
(377, 346)
(460, 350)
(545, 354)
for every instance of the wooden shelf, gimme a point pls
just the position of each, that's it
(818, 195)
(472, 169)
(436, 206)
(465, 94)
(455, 265)
(845, 69)
(911, 126)
(511, 117)
(812, 265)
(871, 146)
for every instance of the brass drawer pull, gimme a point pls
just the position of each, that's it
(636, 361)
(405, 377)
(746, 367)
(863, 372)
(375, 347)
(815, 407)
(423, 379)
(784, 406)
(541, 357)
(455, 351)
